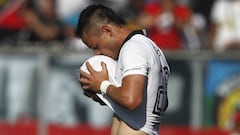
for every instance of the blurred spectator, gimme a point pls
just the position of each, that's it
(68, 8)
(168, 24)
(225, 25)
(68, 12)
(194, 32)
(118, 6)
(42, 21)
(11, 23)
(131, 10)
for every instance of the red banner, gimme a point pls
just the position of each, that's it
(31, 128)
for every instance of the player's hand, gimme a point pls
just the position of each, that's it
(93, 80)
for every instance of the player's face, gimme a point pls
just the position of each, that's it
(101, 44)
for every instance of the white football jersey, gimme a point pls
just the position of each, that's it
(139, 55)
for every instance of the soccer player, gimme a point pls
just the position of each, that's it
(142, 71)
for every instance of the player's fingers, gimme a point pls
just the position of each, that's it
(85, 87)
(83, 81)
(104, 66)
(84, 84)
(89, 67)
(83, 74)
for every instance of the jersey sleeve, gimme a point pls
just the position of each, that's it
(134, 59)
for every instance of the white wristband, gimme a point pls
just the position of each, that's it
(104, 85)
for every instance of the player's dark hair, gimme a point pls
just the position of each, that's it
(100, 11)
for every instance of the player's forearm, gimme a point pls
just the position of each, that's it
(123, 98)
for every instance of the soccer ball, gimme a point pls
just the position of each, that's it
(95, 62)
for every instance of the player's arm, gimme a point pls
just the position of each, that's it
(129, 95)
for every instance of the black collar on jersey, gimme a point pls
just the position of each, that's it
(133, 33)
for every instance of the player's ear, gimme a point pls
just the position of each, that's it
(106, 29)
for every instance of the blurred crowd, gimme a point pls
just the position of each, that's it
(172, 24)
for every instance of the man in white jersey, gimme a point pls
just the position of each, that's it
(142, 71)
